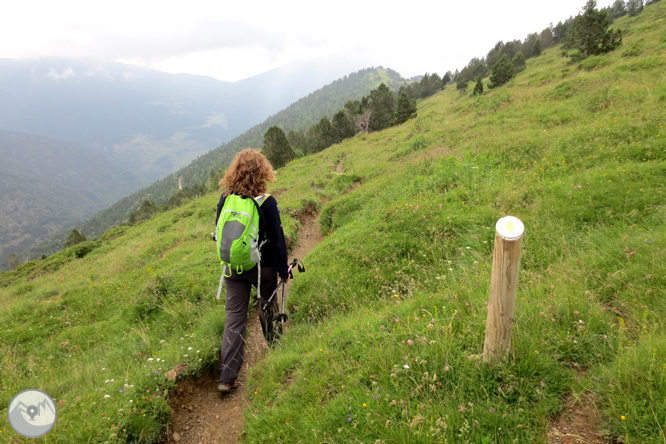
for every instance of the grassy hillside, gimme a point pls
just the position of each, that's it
(393, 302)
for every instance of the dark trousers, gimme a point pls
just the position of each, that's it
(237, 303)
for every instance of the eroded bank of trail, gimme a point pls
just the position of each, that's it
(199, 413)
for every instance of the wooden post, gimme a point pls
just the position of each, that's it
(503, 285)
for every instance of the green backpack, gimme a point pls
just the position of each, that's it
(237, 233)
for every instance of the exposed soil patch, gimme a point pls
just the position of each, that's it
(339, 167)
(577, 424)
(309, 235)
(199, 414)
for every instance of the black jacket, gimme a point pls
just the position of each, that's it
(274, 252)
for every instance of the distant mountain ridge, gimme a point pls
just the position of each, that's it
(147, 121)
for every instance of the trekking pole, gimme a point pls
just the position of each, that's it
(282, 316)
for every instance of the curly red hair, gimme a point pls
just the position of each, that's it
(248, 174)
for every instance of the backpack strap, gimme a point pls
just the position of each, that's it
(261, 214)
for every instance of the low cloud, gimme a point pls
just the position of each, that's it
(66, 74)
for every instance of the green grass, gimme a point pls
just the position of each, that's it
(384, 322)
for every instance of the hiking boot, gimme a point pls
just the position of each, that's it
(225, 389)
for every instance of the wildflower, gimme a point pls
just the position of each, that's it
(406, 366)
(446, 368)
(107, 396)
(623, 418)
(461, 408)
(364, 405)
(150, 359)
(410, 342)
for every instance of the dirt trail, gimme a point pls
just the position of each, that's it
(199, 413)
(577, 424)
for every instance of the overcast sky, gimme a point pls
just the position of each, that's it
(235, 40)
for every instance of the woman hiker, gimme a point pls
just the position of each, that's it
(248, 175)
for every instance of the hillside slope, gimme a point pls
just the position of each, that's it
(47, 185)
(393, 302)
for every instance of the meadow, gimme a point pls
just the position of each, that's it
(393, 302)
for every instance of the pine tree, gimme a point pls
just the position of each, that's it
(461, 86)
(405, 110)
(589, 33)
(342, 127)
(145, 212)
(447, 78)
(276, 147)
(634, 7)
(320, 136)
(478, 88)
(518, 62)
(382, 105)
(618, 9)
(297, 141)
(531, 46)
(561, 30)
(475, 68)
(74, 238)
(546, 37)
(502, 72)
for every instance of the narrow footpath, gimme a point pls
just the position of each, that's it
(200, 415)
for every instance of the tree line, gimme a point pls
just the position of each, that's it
(582, 36)
(379, 110)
